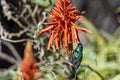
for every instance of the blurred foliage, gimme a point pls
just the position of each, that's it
(47, 4)
(102, 54)
(11, 75)
(43, 3)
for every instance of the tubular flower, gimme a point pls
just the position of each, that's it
(29, 65)
(61, 24)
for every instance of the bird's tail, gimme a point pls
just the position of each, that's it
(73, 72)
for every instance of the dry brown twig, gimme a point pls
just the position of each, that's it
(15, 61)
(8, 13)
(7, 36)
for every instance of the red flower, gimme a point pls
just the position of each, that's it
(61, 24)
(29, 65)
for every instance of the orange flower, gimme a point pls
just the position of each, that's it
(61, 24)
(29, 65)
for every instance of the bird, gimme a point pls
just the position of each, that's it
(75, 59)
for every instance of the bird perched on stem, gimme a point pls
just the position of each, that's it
(76, 59)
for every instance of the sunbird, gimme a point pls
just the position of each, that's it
(76, 59)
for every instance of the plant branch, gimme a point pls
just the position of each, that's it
(7, 58)
(13, 50)
(89, 67)
(5, 35)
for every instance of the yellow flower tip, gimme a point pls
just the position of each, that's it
(38, 74)
(28, 53)
(40, 32)
(28, 45)
(57, 47)
(81, 18)
(86, 30)
(48, 48)
(19, 75)
(90, 32)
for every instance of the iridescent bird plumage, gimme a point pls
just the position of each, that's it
(76, 59)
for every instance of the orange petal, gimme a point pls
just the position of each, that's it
(84, 30)
(46, 29)
(50, 40)
(51, 23)
(25, 66)
(73, 17)
(69, 40)
(77, 37)
(73, 36)
(56, 12)
(69, 7)
(57, 33)
(65, 34)
(79, 28)
(58, 29)
(57, 43)
(49, 44)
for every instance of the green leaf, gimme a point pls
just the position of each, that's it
(30, 35)
(41, 41)
(34, 27)
(61, 78)
(49, 76)
(53, 2)
(43, 3)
